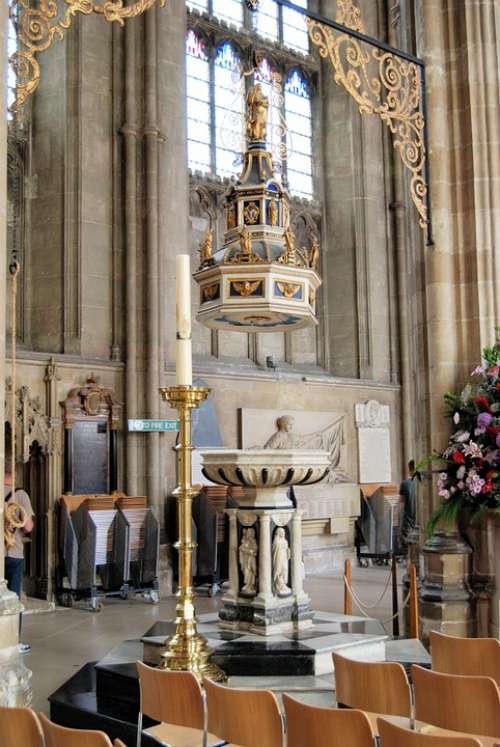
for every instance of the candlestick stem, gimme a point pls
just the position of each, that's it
(187, 649)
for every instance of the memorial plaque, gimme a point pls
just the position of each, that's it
(374, 442)
(90, 457)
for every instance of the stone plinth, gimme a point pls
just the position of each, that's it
(15, 678)
(445, 596)
(266, 610)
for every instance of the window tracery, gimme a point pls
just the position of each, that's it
(222, 64)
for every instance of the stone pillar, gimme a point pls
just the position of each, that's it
(445, 596)
(234, 585)
(15, 688)
(297, 584)
(265, 565)
(461, 47)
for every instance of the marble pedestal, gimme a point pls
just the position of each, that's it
(265, 611)
(265, 536)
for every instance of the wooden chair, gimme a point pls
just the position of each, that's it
(395, 736)
(381, 687)
(461, 703)
(247, 718)
(20, 726)
(118, 743)
(175, 699)
(61, 736)
(470, 656)
(311, 726)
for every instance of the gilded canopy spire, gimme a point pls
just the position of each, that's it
(257, 110)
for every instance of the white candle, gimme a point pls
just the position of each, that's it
(184, 362)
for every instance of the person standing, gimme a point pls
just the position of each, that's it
(408, 506)
(14, 547)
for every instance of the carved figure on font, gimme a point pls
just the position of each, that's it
(314, 254)
(246, 242)
(273, 213)
(258, 106)
(281, 556)
(206, 248)
(247, 555)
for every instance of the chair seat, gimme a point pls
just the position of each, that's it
(181, 736)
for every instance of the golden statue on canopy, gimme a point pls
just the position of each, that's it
(258, 106)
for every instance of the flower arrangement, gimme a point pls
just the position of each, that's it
(469, 480)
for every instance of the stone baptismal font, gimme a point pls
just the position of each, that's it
(266, 594)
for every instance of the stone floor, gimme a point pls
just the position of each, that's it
(63, 640)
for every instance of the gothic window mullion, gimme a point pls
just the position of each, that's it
(213, 126)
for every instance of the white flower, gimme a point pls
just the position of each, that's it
(461, 472)
(461, 436)
(473, 450)
(456, 418)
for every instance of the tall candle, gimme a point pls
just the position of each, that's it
(184, 361)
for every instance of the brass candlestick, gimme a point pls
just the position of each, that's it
(186, 650)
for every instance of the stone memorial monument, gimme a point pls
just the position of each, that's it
(330, 508)
(374, 442)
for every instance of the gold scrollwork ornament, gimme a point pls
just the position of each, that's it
(386, 85)
(251, 213)
(38, 26)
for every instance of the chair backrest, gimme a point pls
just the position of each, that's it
(20, 726)
(325, 727)
(119, 743)
(471, 656)
(171, 697)
(457, 702)
(248, 718)
(381, 687)
(61, 736)
(395, 736)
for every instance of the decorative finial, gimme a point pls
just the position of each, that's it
(257, 105)
(252, 5)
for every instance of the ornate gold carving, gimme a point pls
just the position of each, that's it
(246, 287)
(289, 290)
(258, 106)
(292, 256)
(273, 213)
(349, 15)
(231, 216)
(206, 248)
(39, 26)
(314, 254)
(251, 213)
(312, 296)
(209, 292)
(392, 91)
(246, 255)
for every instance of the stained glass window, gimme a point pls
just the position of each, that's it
(201, 5)
(230, 11)
(299, 135)
(229, 111)
(272, 85)
(198, 103)
(265, 19)
(295, 28)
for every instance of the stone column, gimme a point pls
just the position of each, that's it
(15, 689)
(297, 586)
(265, 564)
(233, 554)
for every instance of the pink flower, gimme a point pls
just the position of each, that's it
(445, 494)
(461, 485)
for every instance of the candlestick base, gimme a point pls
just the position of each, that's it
(187, 650)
